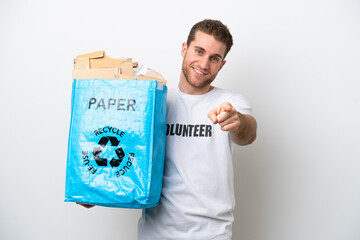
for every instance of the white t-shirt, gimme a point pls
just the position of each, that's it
(197, 200)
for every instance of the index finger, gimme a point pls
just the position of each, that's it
(225, 107)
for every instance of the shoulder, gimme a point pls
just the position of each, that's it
(171, 91)
(229, 95)
(171, 95)
(238, 100)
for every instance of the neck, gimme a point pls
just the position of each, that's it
(197, 91)
(187, 88)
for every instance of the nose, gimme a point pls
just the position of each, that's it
(204, 62)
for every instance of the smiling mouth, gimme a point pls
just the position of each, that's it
(199, 72)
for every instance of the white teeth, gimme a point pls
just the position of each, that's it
(198, 71)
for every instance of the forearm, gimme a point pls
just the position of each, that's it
(246, 132)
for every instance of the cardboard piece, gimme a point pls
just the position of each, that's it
(97, 65)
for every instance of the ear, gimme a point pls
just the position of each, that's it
(183, 49)
(222, 64)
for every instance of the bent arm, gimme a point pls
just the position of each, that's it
(241, 127)
(245, 133)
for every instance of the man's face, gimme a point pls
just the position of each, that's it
(202, 60)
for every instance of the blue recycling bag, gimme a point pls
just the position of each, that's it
(116, 146)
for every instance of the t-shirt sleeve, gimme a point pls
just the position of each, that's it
(240, 103)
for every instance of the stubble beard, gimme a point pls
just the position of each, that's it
(202, 84)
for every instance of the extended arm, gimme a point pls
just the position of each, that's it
(241, 127)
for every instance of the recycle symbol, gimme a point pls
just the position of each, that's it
(103, 161)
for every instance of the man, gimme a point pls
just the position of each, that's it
(203, 122)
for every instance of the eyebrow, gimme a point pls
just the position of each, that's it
(214, 55)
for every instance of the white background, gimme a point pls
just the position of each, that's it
(297, 62)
